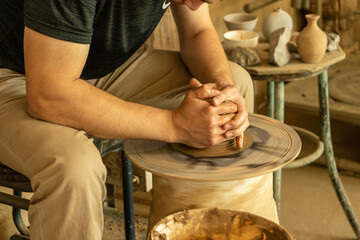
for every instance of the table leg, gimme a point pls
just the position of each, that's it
(270, 99)
(329, 154)
(128, 197)
(279, 115)
(279, 101)
(270, 107)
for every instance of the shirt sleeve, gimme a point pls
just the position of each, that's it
(69, 20)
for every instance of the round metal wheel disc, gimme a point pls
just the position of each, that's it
(274, 145)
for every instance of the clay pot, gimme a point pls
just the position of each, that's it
(312, 41)
(278, 18)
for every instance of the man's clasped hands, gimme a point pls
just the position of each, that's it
(212, 113)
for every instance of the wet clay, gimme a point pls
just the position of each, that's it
(217, 224)
(226, 148)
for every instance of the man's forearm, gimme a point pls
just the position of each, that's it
(205, 57)
(84, 107)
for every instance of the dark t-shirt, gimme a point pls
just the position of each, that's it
(115, 29)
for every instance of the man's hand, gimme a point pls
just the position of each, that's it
(240, 122)
(199, 123)
(203, 54)
(229, 94)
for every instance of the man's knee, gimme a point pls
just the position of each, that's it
(243, 82)
(69, 186)
(83, 164)
(74, 165)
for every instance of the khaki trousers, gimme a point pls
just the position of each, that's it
(65, 168)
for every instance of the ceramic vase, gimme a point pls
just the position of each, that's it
(312, 41)
(278, 18)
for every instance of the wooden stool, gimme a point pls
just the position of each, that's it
(19, 183)
(297, 70)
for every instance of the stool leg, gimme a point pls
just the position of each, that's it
(329, 154)
(110, 195)
(279, 115)
(19, 237)
(128, 197)
(18, 221)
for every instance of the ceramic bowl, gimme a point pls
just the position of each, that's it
(242, 38)
(240, 21)
(214, 223)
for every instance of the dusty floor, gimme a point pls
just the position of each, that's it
(309, 208)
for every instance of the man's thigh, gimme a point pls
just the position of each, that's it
(29, 145)
(156, 74)
(160, 78)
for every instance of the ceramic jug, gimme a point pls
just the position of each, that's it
(278, 18)
(312, 41)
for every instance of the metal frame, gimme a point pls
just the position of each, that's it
(17, 218)
(128, 197)
(17, 203)
(329, 153)
(18, 237)
(275, 109)
(300, 162)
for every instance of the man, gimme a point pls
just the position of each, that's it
(85, 73)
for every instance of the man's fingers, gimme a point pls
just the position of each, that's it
(228, 92)
(240, 141)
(194, 83)
(238, 120)
(235, 132)
(224, 119)
(227, 107)
(203, 91)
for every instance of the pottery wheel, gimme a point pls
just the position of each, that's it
(274, 144)
(345, 87)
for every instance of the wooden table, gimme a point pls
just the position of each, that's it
(297, 70)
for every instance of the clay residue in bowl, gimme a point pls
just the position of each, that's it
(216, 224)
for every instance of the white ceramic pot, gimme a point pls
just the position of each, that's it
(240, 21)
(240, 38)
(278, 18)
